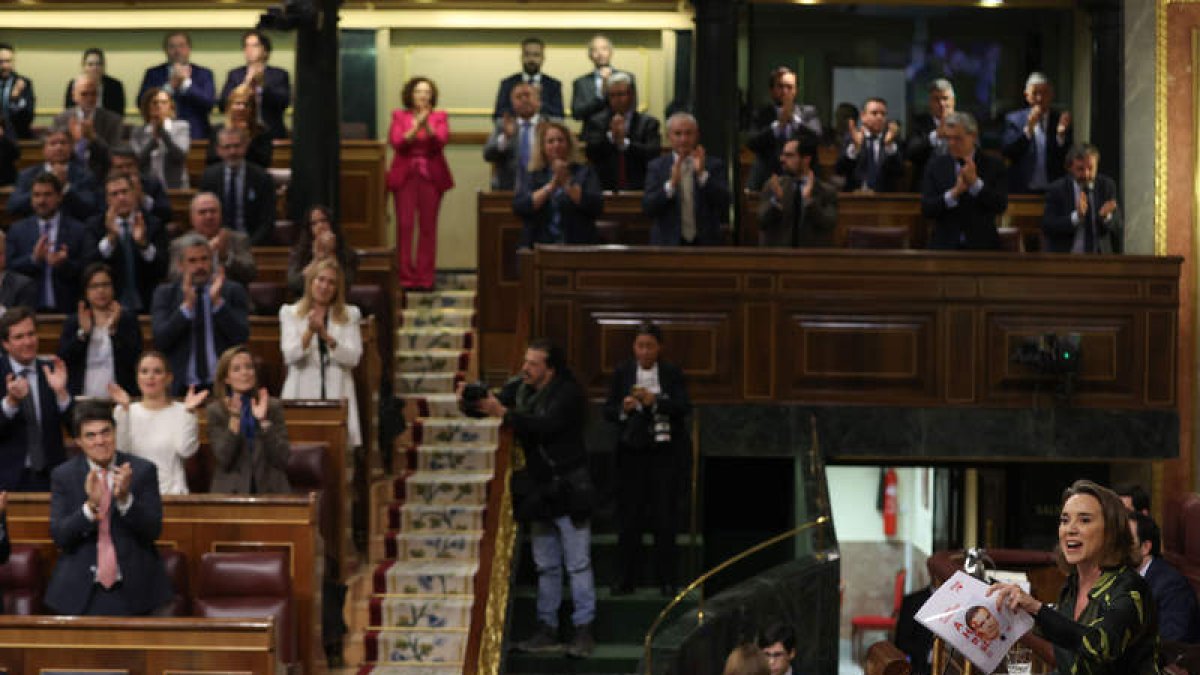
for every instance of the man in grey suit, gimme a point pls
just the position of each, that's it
(587, 92)
(15, 289)
(514, 139)
(230, 248)
(93, 129)
(797, 208)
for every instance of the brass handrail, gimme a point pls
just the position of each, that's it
(700, 580)
(816, 467)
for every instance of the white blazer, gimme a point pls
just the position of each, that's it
(304, 365)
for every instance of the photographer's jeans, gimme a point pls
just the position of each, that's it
(555, 543)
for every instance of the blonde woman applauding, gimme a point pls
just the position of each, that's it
(157, 428)
(321, 342)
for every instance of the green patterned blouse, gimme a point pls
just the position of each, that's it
(1117, 634)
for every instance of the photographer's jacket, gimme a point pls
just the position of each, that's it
(552, 419)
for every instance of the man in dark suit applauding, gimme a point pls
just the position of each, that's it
(1036, 139)
(81, 194)
(132, 242)
(199, 315)
(620, 140)
(192, 86)
(925, 138)
(797, 208)
(1178, 613)
(35, 407)
(870, 159)
(49, 247)
(587, 91)
(15, 289)
(687, 192)
(270, 84)
(16, 95)
(1081, 214)
(963, 190)
(533, 55)
(246, 190)
(776, 122)
(105, 514)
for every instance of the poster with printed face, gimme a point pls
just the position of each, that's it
(962, 614)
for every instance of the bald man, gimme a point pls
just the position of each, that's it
(93, 129)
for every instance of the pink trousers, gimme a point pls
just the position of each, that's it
(417, 198)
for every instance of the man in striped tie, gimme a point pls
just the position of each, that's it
(105, 514)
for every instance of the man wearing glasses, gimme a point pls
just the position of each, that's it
(778, 644)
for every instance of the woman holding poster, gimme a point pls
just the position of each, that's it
(1105, 620)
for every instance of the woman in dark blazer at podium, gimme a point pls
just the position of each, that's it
(648, 402)
(560, 201)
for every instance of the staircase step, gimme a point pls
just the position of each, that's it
(440, 299)
(441, 487)
(452, 546)
(479, 457)
(433, 576)
(420, 611)
(437, 318)
(425, 518)
(456, 430)
(448, 281)
(420, 645)
(424, 383)
(435, 338)
(431, 361)
(437, 405)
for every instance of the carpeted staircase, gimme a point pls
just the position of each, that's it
(427, 518)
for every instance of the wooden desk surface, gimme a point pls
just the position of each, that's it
(198, 524)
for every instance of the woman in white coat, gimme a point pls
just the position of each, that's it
(321, 342)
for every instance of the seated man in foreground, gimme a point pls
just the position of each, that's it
(105, 513)
(1178, 613)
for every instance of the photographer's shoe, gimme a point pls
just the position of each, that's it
(582, 644)
(545, 639)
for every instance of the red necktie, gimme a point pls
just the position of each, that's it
(106, 555)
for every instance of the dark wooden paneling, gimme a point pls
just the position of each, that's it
(915, 329)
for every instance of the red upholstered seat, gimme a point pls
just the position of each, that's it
(175, 563)
(254, 584)
(867, 622)
(267, 296)
(22, 582)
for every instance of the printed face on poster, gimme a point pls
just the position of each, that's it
(962, 614)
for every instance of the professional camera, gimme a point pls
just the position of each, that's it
(1050, 354)
(472, 394)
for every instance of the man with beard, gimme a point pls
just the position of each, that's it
(533, 55)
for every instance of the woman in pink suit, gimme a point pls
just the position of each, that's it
(418, 177)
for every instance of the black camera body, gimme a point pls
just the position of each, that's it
(472, 394)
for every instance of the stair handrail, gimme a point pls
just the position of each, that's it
(817, 469)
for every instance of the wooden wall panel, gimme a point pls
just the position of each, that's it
(962, 359)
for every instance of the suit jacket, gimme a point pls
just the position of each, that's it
(148, 273)
(259, 152)
(144, 582)
(1178, 613)
(173, 330)
(971, 224)
(19, 114)
(258, 193)
(421, 156)
(22, 239)
(173, 146)
(1059, 231)
(265, 459)
(766, 143)
(673, 401)
(10, 152)
(17, 289)
(711, 203)
(918, 149)
(81, 201)
(577, 222)
(1021, 151)
(126, 346)
(108, 127)
(505, 169)
(192, 104)
(276, 97)
(778, 223)
(644, 145)
(13, 447)
(552, 100)
(891, 168)
(5, 540)
(112, 95)
(585, 102)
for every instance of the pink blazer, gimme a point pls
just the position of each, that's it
(422, 155)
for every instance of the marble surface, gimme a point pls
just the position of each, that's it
(848, 432)
(1137, 174)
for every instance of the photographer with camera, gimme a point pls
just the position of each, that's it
(553, 494)
(648, 403)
